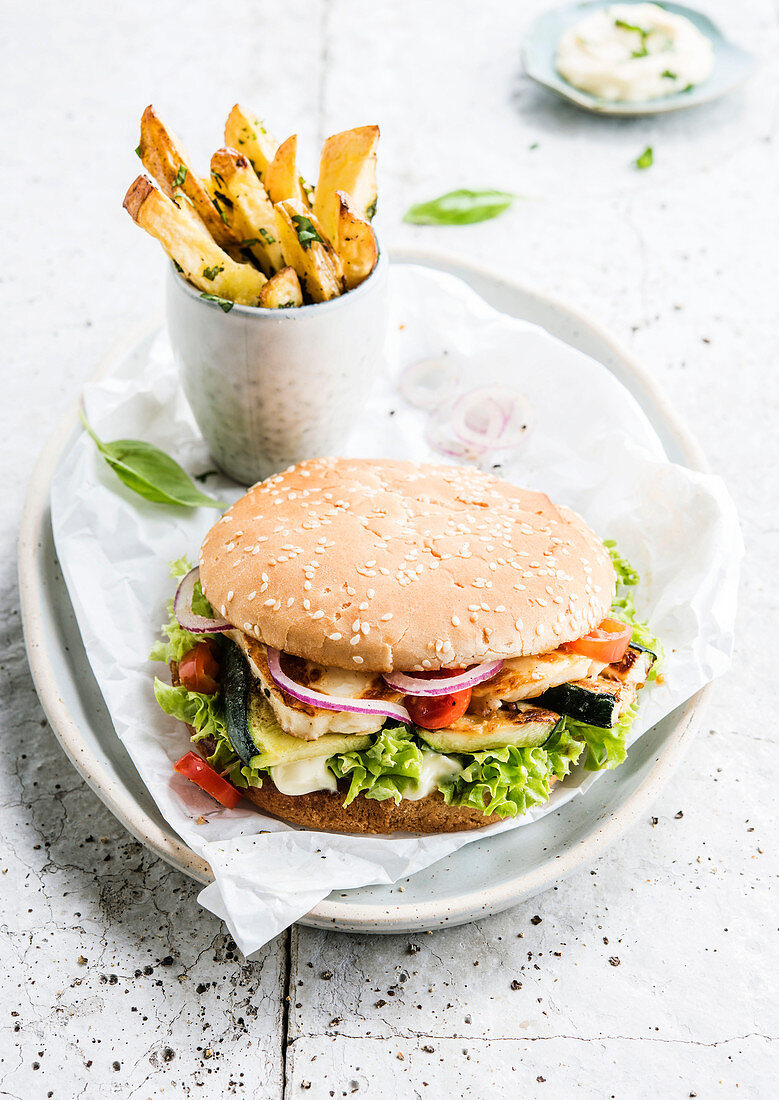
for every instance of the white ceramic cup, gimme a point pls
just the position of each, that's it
(269, 387)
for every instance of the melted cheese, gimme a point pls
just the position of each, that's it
(435, 767)
(304, 776)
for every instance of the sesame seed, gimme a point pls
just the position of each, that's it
(354, 640)
(518, 624)
(252, 595)
(307, 605)
(386, 618)
(357, 660)
(290, 601)
(356, 625)
(318, 615)
(365, 627)
(269, 603)
(230, 594)
(335, 637)
(307, 585)
(455, 620)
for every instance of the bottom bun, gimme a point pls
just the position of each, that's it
(324, 810)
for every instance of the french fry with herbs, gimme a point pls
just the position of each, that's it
(253, 232)
(249, 212)
(189, 244)
(306, 248)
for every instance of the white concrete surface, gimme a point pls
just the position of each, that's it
(651, 973)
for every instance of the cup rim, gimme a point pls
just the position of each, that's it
(281, 314)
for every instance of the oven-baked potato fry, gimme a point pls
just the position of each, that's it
(355, 243)
(282, 180)
(282, 290)
(246, 133)
(306, 248)
(188, 243)
(165, 158)
(348, 163)
(247, 206)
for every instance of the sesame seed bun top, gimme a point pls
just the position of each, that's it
(382, 565)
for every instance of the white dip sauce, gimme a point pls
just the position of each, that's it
(304, 776)
(628, 53)
(435, 767)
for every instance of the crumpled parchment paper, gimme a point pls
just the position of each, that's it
(588, 445)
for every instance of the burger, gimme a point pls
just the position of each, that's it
(373, 646)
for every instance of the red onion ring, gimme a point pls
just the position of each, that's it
(411, 685)
(331, 702)
(186, 617)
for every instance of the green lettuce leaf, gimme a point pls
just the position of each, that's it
(509, 781)
(624, 607)
(206, 715)
(384, 770)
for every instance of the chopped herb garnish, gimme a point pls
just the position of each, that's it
(224, 303)
(304, 228)
(206, 473)
(250, 242)
(689, 88)
(138, 151)
(218, 199)
(533, 146)
(219, 177)
(643, 52)
(646, 160)
(623, 26)
(669, 75)
(211, 273)
(178, 267)
(267, 236)
(370, 213)
(181, 175)
(179, 194)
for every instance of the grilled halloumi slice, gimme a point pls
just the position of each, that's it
(302, 720)
(529, 677)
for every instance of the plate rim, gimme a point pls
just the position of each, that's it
(347, 915)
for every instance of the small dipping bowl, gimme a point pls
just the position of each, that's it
(269, 387)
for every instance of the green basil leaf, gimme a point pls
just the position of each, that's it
(646, 160)
(211, 273)
(224, 303)
(460, 208)
(150, 472)
(304, 228)
(181, 175)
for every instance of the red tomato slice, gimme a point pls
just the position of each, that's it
(436, 712)
(439, 711)
(607, 643)
(195, 768)
(199, 670)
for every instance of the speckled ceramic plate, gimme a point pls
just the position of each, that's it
(484, 877)
(732, 65)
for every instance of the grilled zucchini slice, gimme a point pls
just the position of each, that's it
(274, 746)
(596, 702)
(523, 725)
